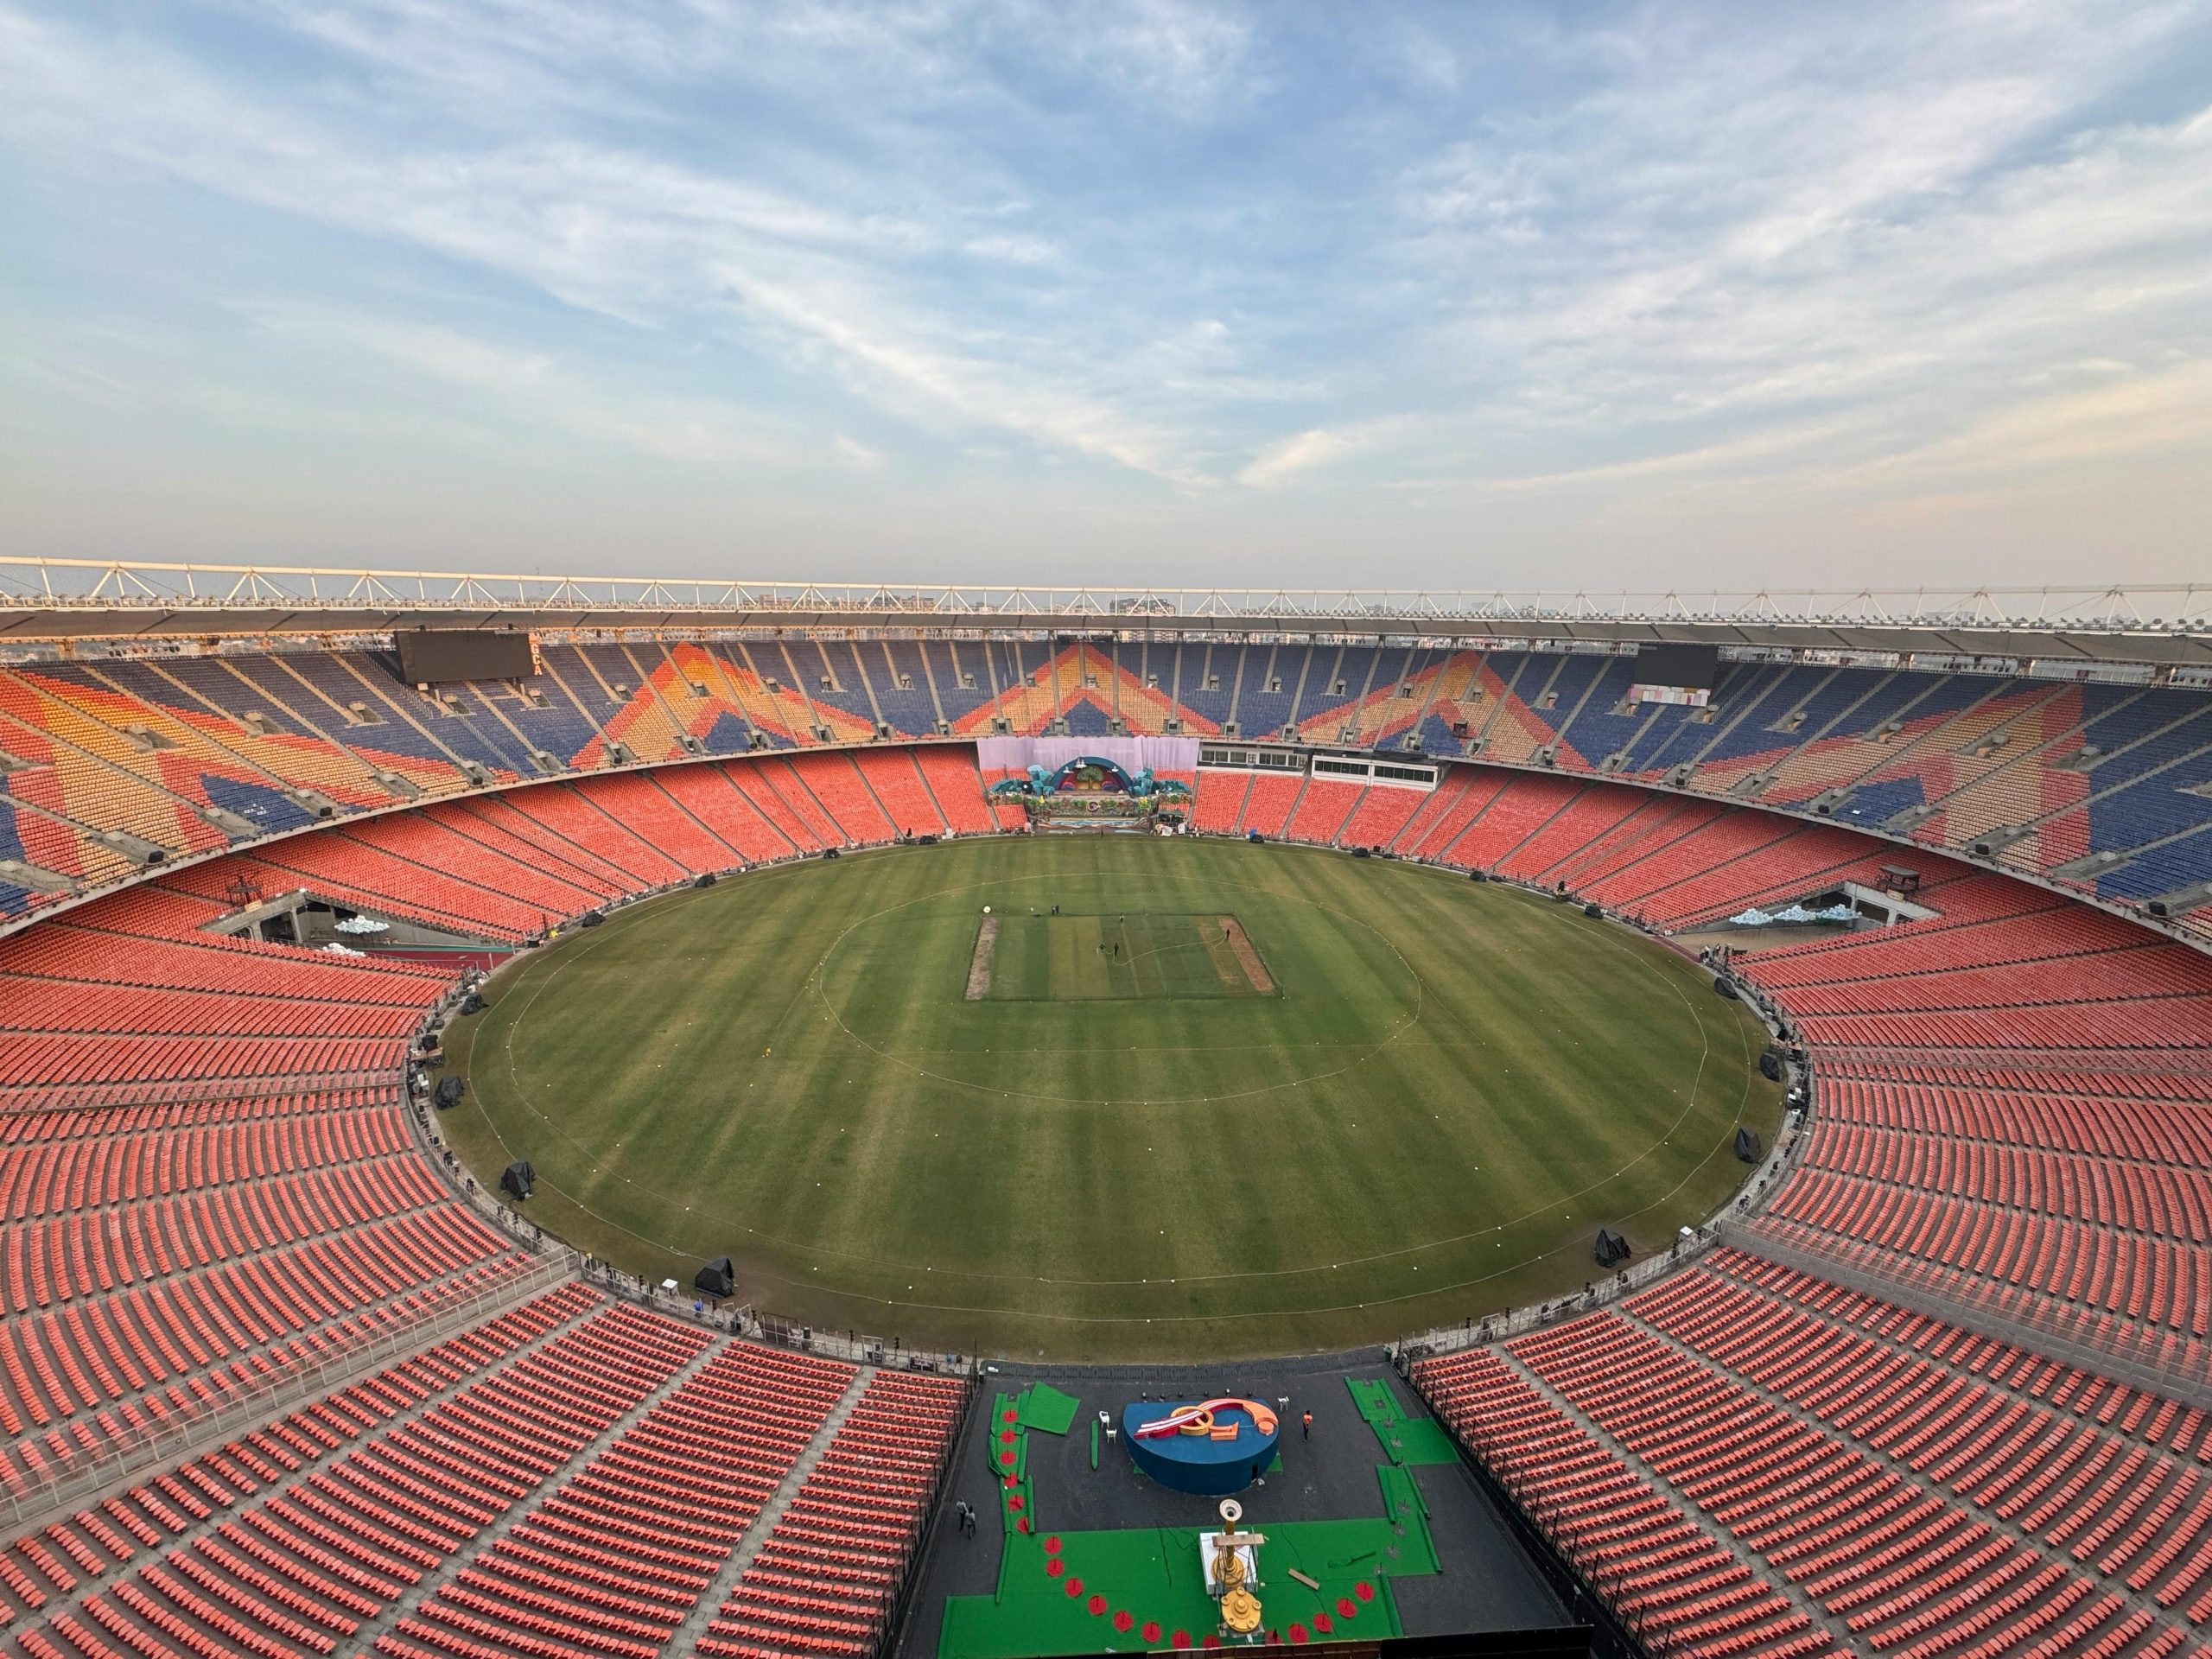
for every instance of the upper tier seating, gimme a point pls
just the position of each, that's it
(2100, 785)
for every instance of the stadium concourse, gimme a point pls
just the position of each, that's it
(273, 1384)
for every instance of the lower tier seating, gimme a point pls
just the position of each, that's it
(826, 1578)
(568, 1476)
(1904, 1485)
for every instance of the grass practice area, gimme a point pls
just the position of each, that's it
(1297, 1101)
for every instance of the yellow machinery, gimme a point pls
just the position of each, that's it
(1231, 1582)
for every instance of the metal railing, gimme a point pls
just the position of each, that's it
(1476, 1332)
(2150, 606)
(2169, 623)
(88, 1096)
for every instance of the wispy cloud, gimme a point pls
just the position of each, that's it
(1290, 458)
(1214, 263)
(534, 389)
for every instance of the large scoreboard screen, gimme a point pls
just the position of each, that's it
(1683, 674)
(441, 656)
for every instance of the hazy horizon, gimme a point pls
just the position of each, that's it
(1141, 294)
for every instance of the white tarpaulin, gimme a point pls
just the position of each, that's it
(1793, 913)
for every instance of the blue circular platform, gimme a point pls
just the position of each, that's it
(1202, 1463)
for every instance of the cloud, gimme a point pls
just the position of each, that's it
(1229, 266)
(2143, 414)
(1289, 459)
(635, 237)
(1014, 250)
(1182, 59)
(1729, 456)
(534, 389)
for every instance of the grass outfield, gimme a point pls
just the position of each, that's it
(1443, 1090)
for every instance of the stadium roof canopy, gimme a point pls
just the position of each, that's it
(65, 599)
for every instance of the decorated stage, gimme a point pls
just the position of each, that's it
(1212, 1445)
(1066, 784)
(1082, 1552)
(1064, 1587)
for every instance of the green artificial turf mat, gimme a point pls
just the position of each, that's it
(1408, 1516)
(1044, 1406)
(1426, 1440)
(1153, 1575)
(1405, 1440)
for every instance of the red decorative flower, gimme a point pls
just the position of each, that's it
(1298, 1633)
(1006, 1458)
(1052, 1545)
(1054, 1566)
(1022, 1525)
(1211, 1642)
(1321, 1624)
(1015, 1503)
(1009, 1415)
(1006, 1437)
(1151, 1631)
(1347, 1607)
(1096, 1606)
(1181, 1638)
(1363, 1590)
(1074, 1587)
(1124, 1619)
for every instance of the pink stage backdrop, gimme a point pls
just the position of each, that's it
(1131, 754)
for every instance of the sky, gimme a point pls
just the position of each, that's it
(1561, 296)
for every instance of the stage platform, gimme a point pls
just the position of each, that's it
(1436, 1557)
